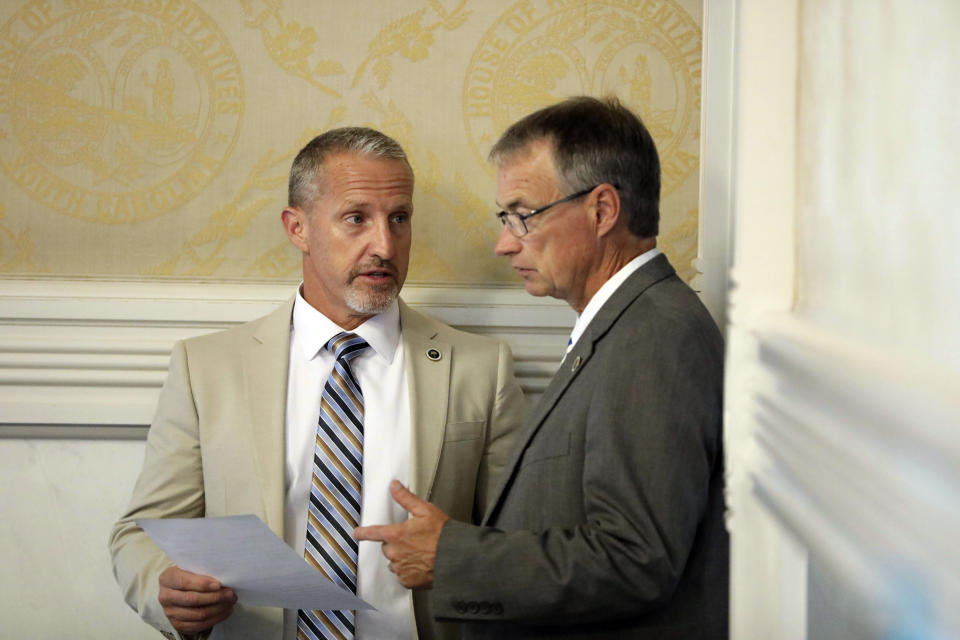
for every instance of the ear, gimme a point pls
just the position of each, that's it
(607, 208)
(295, 224)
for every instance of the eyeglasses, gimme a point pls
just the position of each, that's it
(517, 222)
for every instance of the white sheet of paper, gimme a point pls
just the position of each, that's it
(245, 555)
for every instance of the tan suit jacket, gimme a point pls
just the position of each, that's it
(216, 445)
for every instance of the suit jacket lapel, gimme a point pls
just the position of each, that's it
(632, 288)
(551, 395)
(428, 380)
(647, 275)
(266, 360)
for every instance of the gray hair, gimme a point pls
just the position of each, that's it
(303, 188)
(594, 142)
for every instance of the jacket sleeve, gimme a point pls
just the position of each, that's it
(170, 485)
(621, 510)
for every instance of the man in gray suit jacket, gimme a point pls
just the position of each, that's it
(241, 425)
(608, 520)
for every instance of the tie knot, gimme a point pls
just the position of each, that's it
(346, 346)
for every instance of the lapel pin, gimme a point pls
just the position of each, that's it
(576, 363)
(434, 354)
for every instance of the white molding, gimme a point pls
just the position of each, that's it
(716, 158)
(94, 352)
(857, 455)
(768, 587)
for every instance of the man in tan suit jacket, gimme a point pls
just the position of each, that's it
(217, 444)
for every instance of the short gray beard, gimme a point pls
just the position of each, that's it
(371, 302)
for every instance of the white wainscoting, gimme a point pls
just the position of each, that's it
(86, 358)
(854, 449)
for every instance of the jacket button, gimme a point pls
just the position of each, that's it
(485, 608)
(460, 606)
(497, 609)
(473, 607)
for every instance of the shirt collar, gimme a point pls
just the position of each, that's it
(604, 292)
(312, 330)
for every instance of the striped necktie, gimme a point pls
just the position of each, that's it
(334, 507)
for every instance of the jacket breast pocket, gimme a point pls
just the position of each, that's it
(546, 448)
(458, 431)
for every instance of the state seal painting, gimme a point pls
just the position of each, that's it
(116, 111)
(646, 52)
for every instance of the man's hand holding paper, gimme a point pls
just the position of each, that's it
(193, 602)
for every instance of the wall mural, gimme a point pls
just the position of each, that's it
(152, 138)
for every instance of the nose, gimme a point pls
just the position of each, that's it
(382, 240)
(507, 244)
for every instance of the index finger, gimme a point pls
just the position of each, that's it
(181, 580)
(407, 499)
(375, 533)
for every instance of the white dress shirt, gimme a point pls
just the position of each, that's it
(604, 292)
(386, 453)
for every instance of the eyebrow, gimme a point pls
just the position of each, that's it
(513, 204)
(365, 205)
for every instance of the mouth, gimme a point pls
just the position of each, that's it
(376, 275)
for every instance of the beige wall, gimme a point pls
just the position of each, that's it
(152, 138)
(56, 579)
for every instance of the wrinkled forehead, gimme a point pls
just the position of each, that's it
(358, 178)
(527, 184)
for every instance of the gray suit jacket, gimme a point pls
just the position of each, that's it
(609, 520)
(216, 445)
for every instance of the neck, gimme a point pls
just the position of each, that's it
(615, 256)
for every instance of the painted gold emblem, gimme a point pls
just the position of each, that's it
(116, 110)
(647, 52)
(16, 249)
